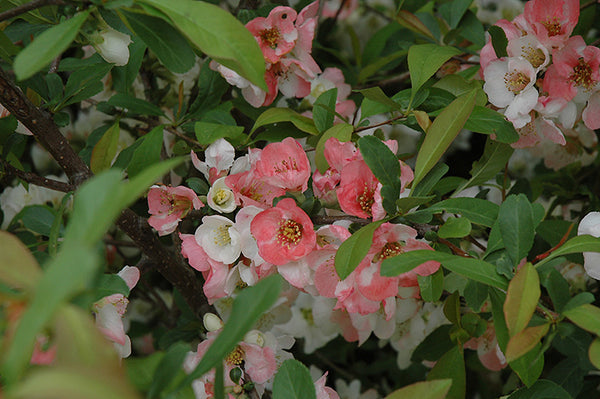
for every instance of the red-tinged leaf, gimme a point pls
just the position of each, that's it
(525, 341)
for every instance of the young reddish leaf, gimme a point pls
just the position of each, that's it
(525, 341)
(521, 298)
(585, 316)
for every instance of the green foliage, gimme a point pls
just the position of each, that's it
(293, 381)
(354, 249)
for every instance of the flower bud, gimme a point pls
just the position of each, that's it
(212, 322)
(113, 46)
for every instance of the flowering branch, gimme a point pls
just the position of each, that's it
(36, 179)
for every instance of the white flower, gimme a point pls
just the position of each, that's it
(219, 238)
(219, 158)
(590, 224)
(220, 197)
(113, 46)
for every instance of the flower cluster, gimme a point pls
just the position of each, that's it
(548, 82)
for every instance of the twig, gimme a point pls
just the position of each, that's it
(37, 180)
(588, 4)
(455, 250)
(388, 122)
(22, 9)
(561, 242)
(321, 219)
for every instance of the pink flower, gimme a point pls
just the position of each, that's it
(284, 165)
(249, 189)
(324, 392)
(359, 193)
(552, 21)
(276, 35)
(43, 353)
(488, 351)
(283, 233)
(574, 70)
(168, 205)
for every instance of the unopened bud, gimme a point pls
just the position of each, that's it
(212, 322)
(113, 46)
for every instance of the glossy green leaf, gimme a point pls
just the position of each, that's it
(47, 46)
(530, 366)
(247, 308)
(541, 389)
(168, 367)
(275, 115)
(109, 284)
(583, 298)
(455, 228)
(451, 365)
(521, 298)
(106, 149)
(386, 168)
(594, 353)
(515, 220)
(454, 11)
(432, 286)
(135, 105)
(37, 218)
(208, 133)
(442, 132)
(472, 268)
(429, 181)
(558, 289)
(324, 110)
(171, 48)
(436, 389)
(475, 295)
(407, 203)
(585, 316)
(342, 132)
(354, 249)
(147, 153)
(487, 121)
(524, 341)
(377, 95)
(411, 22)
(218, 34)
(578, 244)
(494, 159)
(499, 40)
(477, 210)
(141, 370)
(18, 267)
(424, 60)
(293, 381)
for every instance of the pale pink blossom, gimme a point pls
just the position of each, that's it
(487, 348)
(250, 189)
(168, 205)
(276, 34)
(219, 157)
(590, 224)
(552, 21)
(324, 392)
(284, 165)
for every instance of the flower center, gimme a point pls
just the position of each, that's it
(535, 56)
(222, 236)
(308, 316)
(516, 81)
(582, 75)
(236, 357)
(366, 200)
(286, 165)
(552, 26)
(290, 232)
(222, 196)
(270, 37)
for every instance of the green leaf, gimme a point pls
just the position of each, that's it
(124, 76)
(105, 150)
(135, 105)
(218, 34)
(247, 308)
(430, 180)
(578, 244)
(454, 11)
(524, 341)
(274, 115)
(530, 366)
(455, 228)
(171, 48)
(521, 298)
(168, 368)
(487, 121)
(293, 381)
(7, 48)
(109, 284)
(585, 316)
(411, 22)
(494, 159)
(147, 153)
(541, 389)
(594, 353)
(18, 268)
(515, 220)
(37, 218)
(386, 168)
(354, 249)
(477, 210)
(499, 40)
(442, 132)
(451, 365)
(378, 64)
(47, 46)
(436, 389)
(475, 294)
(558, 289)
(424, 60)
(342, 132)
(324, 110)
(406, 204)
(377, 95)
(472, 268)
(141, 370)
(583, 298)
(432, 286)
(208, 133)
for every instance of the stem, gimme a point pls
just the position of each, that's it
(22, 9)
(36, 179)
(171, 265)
(388, 122)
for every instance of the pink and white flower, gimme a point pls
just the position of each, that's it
(168, 205)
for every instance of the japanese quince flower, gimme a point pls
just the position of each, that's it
(219, 158)
(488, 350)
(510, 84)
(283, 233)
(110, 310)
(220, 197)
(113, 46)
(219, 238)
(168, 205)
(284, 165)
(590, 224)
(552, 21)
(276, 35)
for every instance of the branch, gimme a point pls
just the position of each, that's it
(22, 9)
(36, 179)
(388, 122)
(43, 128)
